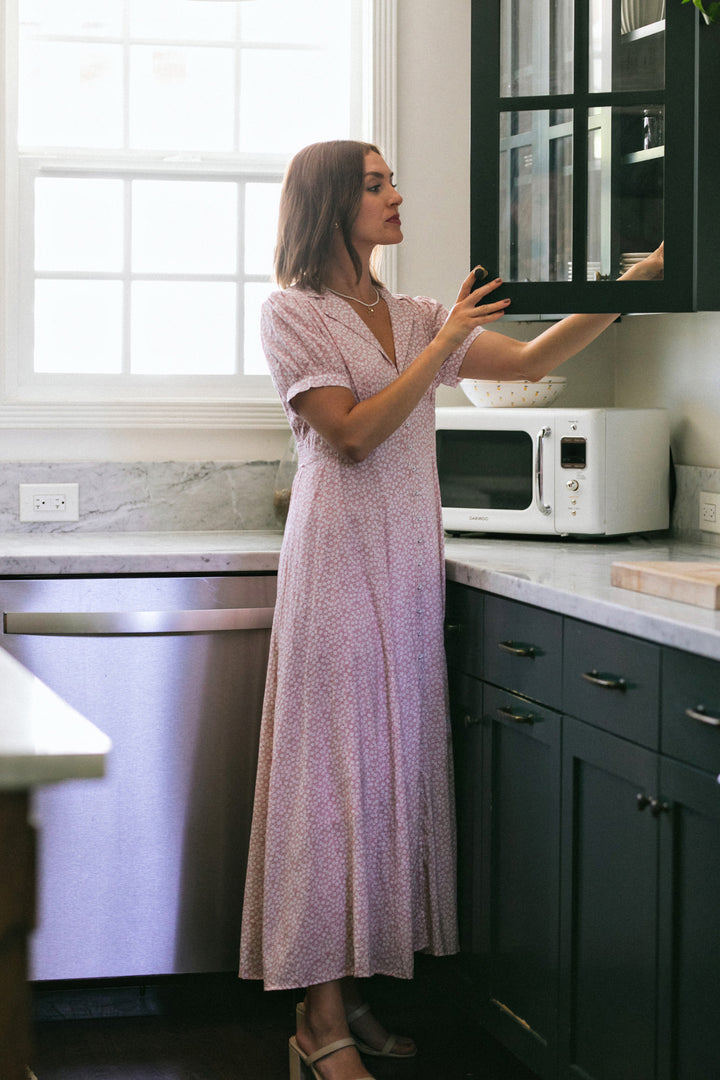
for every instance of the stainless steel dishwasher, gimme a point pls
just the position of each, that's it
(142, 873)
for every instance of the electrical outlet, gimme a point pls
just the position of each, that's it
(709, 512)
(49, 502)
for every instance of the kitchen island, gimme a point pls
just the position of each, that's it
(42, 740)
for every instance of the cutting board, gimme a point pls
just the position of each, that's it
(689, 582)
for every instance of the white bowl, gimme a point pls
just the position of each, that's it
(487, 394)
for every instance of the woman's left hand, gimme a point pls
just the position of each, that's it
(651, 268)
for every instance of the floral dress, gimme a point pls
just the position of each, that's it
(351, 866)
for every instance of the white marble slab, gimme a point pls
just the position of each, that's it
(66, 554)
(574, 579)
(148, 496)
(43, 739)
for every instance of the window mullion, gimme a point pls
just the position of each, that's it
(127, 277)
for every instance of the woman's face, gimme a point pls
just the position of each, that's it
(378, 220)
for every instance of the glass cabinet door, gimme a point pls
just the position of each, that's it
(570, 178)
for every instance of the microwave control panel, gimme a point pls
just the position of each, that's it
(575, 512)
(573, 452)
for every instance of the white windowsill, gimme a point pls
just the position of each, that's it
(255, 413)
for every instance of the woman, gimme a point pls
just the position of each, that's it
(351, 867)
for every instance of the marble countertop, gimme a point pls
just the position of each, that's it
(569, 577)
(43, 739)
(77, 553)
(573, 578)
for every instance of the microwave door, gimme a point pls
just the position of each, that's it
(495, 478)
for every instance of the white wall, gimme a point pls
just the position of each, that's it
(674, 361)
(668, 360)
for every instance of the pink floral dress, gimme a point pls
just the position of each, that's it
(352, 855)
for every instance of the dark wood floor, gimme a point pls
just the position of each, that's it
(217, 1028)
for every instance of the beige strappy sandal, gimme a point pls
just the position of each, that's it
(300, 1062)
(388, 1048)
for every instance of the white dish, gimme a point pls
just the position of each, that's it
(517, 394)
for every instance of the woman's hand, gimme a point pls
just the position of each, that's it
(651, 268)
(470, 311)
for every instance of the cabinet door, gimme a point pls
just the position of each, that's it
(521, 814)
(582, 157)
(689, 1047)
(608, 907)
(466, 715)
(463, 628)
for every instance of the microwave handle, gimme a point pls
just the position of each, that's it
(541, 505)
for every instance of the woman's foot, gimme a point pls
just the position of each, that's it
(371, 1036)
(323, 1022)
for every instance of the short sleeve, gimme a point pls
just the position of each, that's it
(299, 351)
(434, 315)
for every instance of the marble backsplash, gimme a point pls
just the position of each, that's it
(690, 481)
(149, 496)
(222, 496)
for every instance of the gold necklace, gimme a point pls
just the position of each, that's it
(371, 306)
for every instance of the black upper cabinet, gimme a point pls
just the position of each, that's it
(595, 135)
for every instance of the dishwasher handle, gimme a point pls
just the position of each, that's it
(123, 623)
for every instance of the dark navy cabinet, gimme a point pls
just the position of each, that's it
(589, 823)
(595, 135)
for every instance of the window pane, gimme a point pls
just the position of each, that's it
(627, 45)
(181, 98)
(71, 95)
(78, 326)
(78, 224)
(82, 18)
(275, 115)
(536, 47)
(255, 296)
(625, 192)
(184, 226)
(536, 210)
(182, 21)
(261, 214)
(183, 328)
(294, 21)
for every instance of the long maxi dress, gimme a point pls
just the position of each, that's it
(351, 865)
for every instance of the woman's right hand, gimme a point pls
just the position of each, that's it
(470, 311)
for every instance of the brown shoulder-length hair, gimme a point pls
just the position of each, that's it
(321, 193)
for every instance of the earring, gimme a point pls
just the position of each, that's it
(336, 225)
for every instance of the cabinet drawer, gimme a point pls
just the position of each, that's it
(612, 680)
(691, 709)
(463, 628)
(522, 649)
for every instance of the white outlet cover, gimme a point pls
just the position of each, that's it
(71, 512)
(709, 498)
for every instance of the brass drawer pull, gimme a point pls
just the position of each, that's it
(657, 807)
(699, 713)
(517, 717)
(527, 651)
(609, 682)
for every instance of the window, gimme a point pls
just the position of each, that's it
(147, 140)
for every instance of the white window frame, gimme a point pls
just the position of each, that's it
(230, 401)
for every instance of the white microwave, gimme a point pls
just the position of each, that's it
(562, 472)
